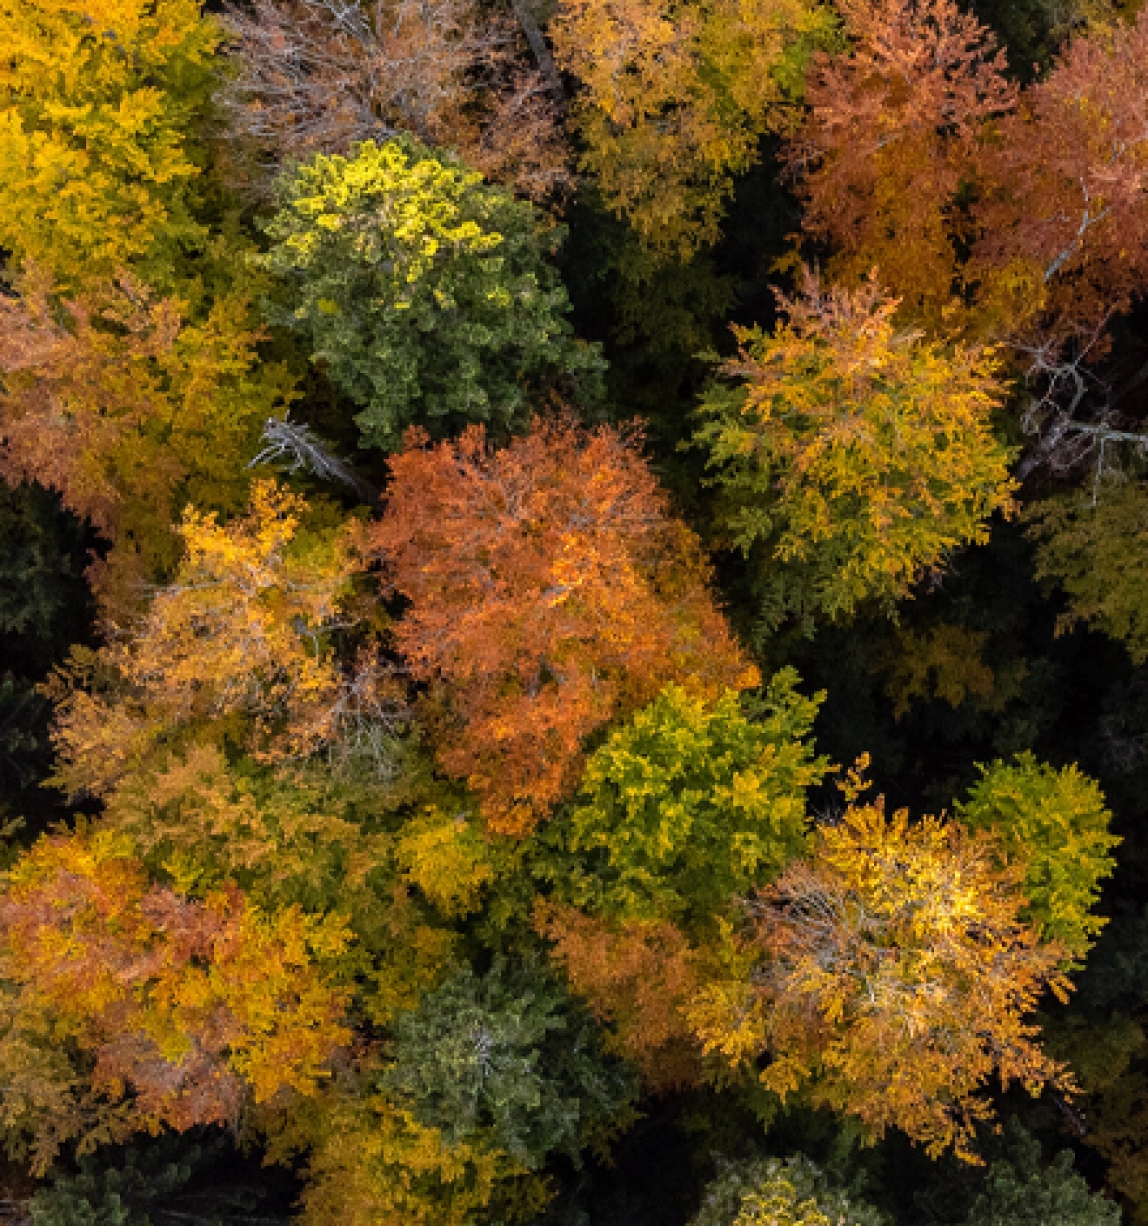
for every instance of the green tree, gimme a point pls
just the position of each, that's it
(691, 803)
(780, 1192)
(508, 1055)
(1023, 1190)
(1056, 823)
(423, 290)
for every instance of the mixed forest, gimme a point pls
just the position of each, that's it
(574, 612)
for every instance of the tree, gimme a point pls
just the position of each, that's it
(551, 591)
(98, 112)
(1055, 823)
(894, 980)
(508, 1056)
(852, 457)
(319, 76)
(890, 141)
(638, 977)
(237, 649)
(191, 1006)
(1066, 209)
(675, 99)
(126, 407)
(423, 290)
(690, 804)
(780, 1192)
(1090, 547)
(1023, 1190)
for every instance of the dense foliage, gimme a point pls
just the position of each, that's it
(485, 487)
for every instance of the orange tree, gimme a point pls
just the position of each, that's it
(550, 591)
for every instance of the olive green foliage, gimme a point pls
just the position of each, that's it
(1056, 823)
(507, 1056)
(780, 1192)
(1024, 1190)
(424, 291)
(691, 803)
(1096, 550)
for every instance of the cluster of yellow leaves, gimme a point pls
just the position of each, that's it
(897, 977)
(127, 408)
(179, 1009)
(98, 101)
(551, 591)
(240, 642)
(856, 455)
(375, 1162)
(676, 95)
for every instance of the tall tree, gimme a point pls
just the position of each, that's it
(675, 99)
(890, 140)
(98, 157)
(318, 76)
(551, 591)
(128, 408)
(895, 979)
(851, 457)
(424, 290)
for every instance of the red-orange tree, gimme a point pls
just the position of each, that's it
(890, 138)
(551, 590)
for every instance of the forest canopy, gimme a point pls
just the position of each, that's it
(572, 636)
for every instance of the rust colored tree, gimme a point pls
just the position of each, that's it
(551, 591)
(891, 138)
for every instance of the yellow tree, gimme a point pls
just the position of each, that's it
(173, 1011)
(238, 648)
(852, 457)
(676, 95)
(98, 103)
(896, 979)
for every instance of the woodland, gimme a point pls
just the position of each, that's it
(574, 612)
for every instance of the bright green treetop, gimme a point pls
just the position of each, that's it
(691, 803)
(423, 289)
(1056, 822)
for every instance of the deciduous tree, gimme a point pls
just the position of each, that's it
(181, 1009)
(1055, 823)
(690, 804)
(423, 290)
(99, 104)
(896, 977)
(890, 140)
(319, 76)
(852, 457)
(238, 648)
(551, 591)
(128, 408)
(675, 99)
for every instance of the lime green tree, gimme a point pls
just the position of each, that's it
(1056, 823)
(423, 290)
(691, 803)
